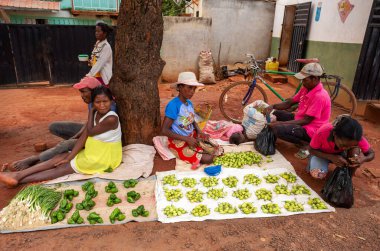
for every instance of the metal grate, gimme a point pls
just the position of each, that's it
(300, 29)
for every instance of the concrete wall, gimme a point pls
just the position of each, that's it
(184, 38)
(241, 26)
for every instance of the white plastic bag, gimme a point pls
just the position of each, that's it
(253, 120)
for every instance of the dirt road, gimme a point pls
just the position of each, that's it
(26, 114)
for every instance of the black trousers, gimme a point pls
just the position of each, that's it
(292, 133)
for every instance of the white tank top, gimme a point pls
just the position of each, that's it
(111, 135)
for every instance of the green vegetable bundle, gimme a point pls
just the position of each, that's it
(39, 198)
(130, 183)
(75, 218)
(111, 188)
(113, 199)
(94, 218)
(133, 196)
(140, 210)
(116, 215)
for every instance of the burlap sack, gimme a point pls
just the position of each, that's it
(206, 68)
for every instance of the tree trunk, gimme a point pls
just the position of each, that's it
(137, 68)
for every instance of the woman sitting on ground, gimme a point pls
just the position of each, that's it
(179, 124)
(340, 143)
(98, 148)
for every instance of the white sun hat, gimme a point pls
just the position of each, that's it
(187, 78)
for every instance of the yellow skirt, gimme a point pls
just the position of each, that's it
(97, 156)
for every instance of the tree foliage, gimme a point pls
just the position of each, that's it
(170, 8)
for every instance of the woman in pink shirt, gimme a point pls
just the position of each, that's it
(340, 143)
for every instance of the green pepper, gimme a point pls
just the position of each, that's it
(112, 221)
(115, 213)
(130, 200)
(80, 220)
(79, 206)
(70, 221)
(110, 203)
(70, 197)
(54, 214)
(54, 220)
(135, 213)
(63, 203)
(68, 207)
(111, 184)
(138, 196)
(69, 192)
(108, 170)
(114, 190)
(145, 213)
(121, 217)
(75, 215)
(91, 203)
(92, 221)
(131, 194)
(76, 193)
(100, 220)
(113, 196)
(88, 196)
(117, 201)
(93, 215)
(140, 209)
(126, 184)
(60, 216)
(87, 185)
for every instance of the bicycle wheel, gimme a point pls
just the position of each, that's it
(344, 103)
(230, 100)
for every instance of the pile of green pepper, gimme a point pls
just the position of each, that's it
(113, 199)
(111, 188)
(70, 194)
(116, 215)
(133, 196)
(94, 218)
(140, 210)
(60, 214)
(75, 218)
(130, 183)
(87, 203)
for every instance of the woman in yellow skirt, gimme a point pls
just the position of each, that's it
(98, 149)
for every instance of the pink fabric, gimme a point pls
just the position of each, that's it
(221, 129)
(320, 141)
(315, 103)
(161, 145)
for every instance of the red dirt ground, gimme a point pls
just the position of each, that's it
(26, 114)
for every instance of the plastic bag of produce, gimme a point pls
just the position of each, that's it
(265, 142)
(338, 189)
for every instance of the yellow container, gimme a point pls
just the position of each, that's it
(271, 65)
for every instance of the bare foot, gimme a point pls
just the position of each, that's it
(9, 179)
(4, 167)
(24, 163)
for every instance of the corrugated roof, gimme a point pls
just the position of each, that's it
(29, 4)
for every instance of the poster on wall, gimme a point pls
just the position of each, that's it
(344, 8)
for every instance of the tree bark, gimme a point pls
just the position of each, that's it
(137, 68)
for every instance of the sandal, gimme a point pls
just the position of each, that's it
(302, 154)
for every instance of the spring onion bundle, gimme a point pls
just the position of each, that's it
(32, 205)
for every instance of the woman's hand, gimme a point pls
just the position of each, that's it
(192, 142)
(356, 161)
(204, 136)
(339, 160)
(61, 162)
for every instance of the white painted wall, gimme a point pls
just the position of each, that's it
(330, 28)
(241, 26)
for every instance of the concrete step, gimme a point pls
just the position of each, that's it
(275, 78)
(372, 112)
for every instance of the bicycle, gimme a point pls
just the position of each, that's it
(245, 92)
